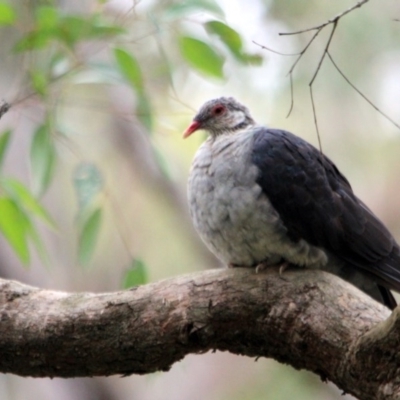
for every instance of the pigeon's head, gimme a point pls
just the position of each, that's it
(220, 116)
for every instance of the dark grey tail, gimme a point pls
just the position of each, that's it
(364, 280)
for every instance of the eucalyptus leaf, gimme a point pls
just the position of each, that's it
(7, 13)
(14, 227)
(4, 140)
(201, 56)
(46, 18)
(88, 236)
(232, 41)
(43, 159)
(26, 200)
(39, 82)
(129, 68)
(88, 182)
(135, 275)
(188, 7)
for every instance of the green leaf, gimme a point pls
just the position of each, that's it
(184, 8)
(26, 200)
(88, 182)
(232, 41)
(129, 68)
(88, 236)
(14, 228)
(4, 140)
(72, 29)
(37, 241)
(39, 82)
(162, 163)
(143, 111)
(7, 13)
(42, 159)
(201, 56)
(33, 40)
(228, 35)
(136, 274)
(46, 18)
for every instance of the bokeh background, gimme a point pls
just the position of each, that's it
(132, 164)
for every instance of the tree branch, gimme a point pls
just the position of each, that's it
(309, 319)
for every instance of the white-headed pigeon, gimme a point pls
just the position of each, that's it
(261, 197)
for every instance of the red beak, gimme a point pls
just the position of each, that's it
(194, 126)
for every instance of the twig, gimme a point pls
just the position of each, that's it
(315, 118)
(290, 73)
(324, 53)
(275, 51)
(291, 95)
(360, 93)
(318, 29)
(328, 43)
(330, 21)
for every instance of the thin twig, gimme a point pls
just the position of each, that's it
(303, 51)
(330, 21)
(328, 43)
(360, 93)
(291, 96)
(315, 119)
(324, 53)
(290, 73)
(274, 51)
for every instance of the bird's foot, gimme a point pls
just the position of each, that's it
(262, 266)
(265, 264)
(284, 266)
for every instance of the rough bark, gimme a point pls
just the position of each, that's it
(308, 319)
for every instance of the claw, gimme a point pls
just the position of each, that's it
(283, 267)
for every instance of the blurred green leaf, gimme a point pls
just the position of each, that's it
(7, 13)
(184, 8)
(46, 18)
(14, 228)
(33, 40)
(39, 82)
(162, 162)
(232, 41)
(228, 35)
(129, 68)
(88, 182)
(136, 274)
(74, 28)
(144, 113)
(88, 236)
(201, 56)
(68, 29)
(36, 240)
(4, 140)
(42, 159)
(21, 195)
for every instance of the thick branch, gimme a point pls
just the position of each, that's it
(309, 319)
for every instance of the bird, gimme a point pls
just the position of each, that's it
(262, 197)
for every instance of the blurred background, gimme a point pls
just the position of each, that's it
(100, 93)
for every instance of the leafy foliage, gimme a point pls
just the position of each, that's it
(53, 39)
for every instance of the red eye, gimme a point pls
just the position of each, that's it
(218, 110)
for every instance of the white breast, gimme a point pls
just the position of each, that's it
(230, 212)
